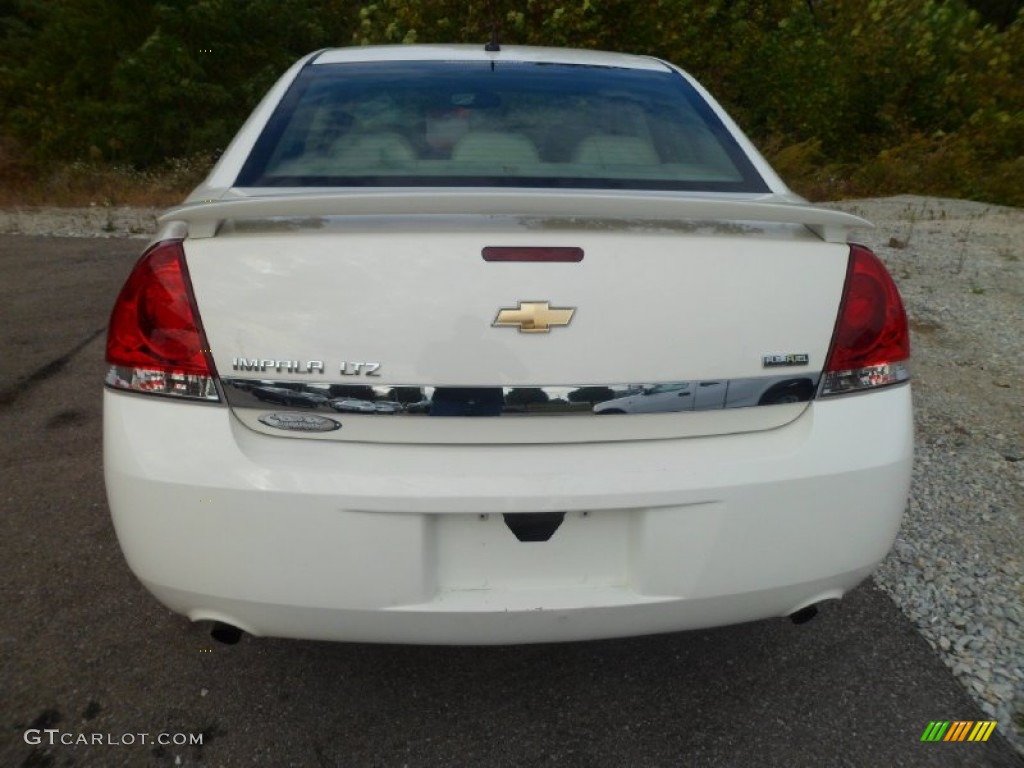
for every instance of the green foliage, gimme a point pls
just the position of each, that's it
(844, 96)
(141, 80)
(999, 12)
(591, 395)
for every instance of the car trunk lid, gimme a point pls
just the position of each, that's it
(672, 326)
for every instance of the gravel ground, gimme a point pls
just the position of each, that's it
(94, 221)
(957, 569)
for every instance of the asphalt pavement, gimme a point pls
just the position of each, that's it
(94, 671)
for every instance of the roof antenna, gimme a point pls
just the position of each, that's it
(493, 45)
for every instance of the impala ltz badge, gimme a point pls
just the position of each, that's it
(533, 317)
(791, 359)
(345, 368)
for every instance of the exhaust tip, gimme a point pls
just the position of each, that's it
(225, 633)
(804, 614)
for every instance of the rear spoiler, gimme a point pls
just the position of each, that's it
(204, 218)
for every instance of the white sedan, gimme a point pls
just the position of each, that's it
(507, 239)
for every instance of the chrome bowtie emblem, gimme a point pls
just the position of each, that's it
(533, 317)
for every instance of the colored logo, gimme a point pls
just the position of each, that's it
(958, 730)
(533, 317)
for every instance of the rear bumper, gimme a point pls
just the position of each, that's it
(396, 543)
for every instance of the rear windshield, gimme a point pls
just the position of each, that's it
(430, 123)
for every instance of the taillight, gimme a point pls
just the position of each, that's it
(871, 343)
(155, 342)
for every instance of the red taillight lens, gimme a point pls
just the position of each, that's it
(155, 342)
(871, 343)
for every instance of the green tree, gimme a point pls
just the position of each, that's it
(907, 95)
(206, 64)
(57, 60)
(1002, 13)
(141, 80)
(591, 395)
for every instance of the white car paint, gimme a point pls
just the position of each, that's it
(386, 543)
(394, 530)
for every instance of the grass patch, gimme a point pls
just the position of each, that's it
(947, 167)
(85, 183)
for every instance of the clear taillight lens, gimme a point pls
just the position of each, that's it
(871, 343)
(155, 342)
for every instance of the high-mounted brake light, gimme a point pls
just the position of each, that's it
(155, 342)
(532, 253)
(871, 343)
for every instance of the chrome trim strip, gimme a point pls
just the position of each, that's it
(563, 400)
